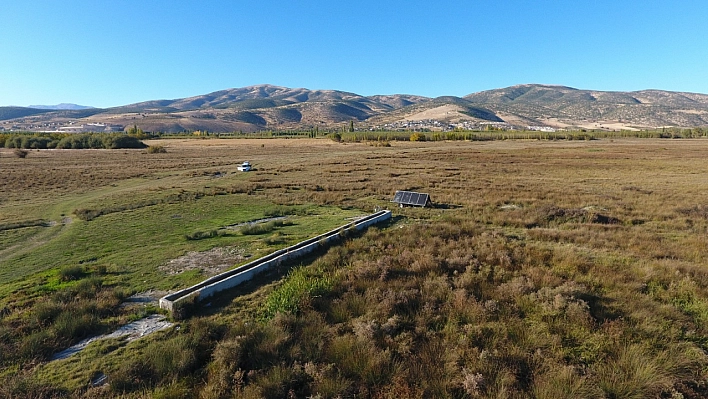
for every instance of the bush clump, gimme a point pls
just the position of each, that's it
(71, 273)
(20, 153)
(298, 289)
(156, 149)
(172, 359)
(200, 235)
(417, 137)
(262, 228)
(72, 141)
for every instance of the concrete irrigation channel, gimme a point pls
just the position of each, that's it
(232, 278)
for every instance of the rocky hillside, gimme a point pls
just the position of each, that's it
(263, 107)
(565, 106)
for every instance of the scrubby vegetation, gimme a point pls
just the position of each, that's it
(73, 303)
(20, 153)
(549, 269)
(70, 141)
(23, 224)
(452, 310)
(262, 228)
(493, 134)
(156, 149)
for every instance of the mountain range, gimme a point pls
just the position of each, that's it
(267, 107)
(62, 106)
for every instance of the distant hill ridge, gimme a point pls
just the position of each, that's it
(62, 106)
(262, 107)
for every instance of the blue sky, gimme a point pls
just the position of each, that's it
(109, 53)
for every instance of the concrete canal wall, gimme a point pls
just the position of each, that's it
(232, 278)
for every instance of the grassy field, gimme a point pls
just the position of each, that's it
(547, 269)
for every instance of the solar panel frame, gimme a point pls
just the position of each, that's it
(411, 198)
(398, 196)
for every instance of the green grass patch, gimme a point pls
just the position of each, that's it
(263, 228)
(12, 237)
(299, 287)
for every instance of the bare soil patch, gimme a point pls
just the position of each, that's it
(444, 112)
(210, 262)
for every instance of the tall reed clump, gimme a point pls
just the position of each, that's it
(296, 292)
(156, 149)
(262, 228)
(62, 317)
(174, 358)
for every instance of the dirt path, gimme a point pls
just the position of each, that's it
(36, 240)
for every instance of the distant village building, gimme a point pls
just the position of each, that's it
(91, 127)
(546, 129)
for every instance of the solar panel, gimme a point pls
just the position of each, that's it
(398, 196)
(411, 198)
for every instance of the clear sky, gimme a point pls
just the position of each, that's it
(115, 52)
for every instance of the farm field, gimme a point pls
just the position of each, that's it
(547, 269)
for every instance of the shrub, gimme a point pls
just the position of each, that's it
(280, 211)
(173, 357)
(184, 307)
(200, 235)
(120, 141)
(20, 153)
(45, 312)
(280, 380)
(156, 149)
(131, 376)
(25, 386)
(296, 291)
(70, 273)
(417, 137)
(36, 345)
(261, 228)
(174, 390)
(74, 324)
(275, 239)
(564, 382)
(380, 143)
(634, 372)
(87, 288)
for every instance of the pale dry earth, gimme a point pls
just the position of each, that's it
(129, 332)
(210, 263)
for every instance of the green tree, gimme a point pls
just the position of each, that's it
(136, 132)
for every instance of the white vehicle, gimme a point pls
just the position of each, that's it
(245, 167)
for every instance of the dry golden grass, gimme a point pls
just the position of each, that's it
(547, 269)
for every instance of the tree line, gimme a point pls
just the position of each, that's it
(70, 141)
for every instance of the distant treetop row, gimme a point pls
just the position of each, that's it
(70, 141)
